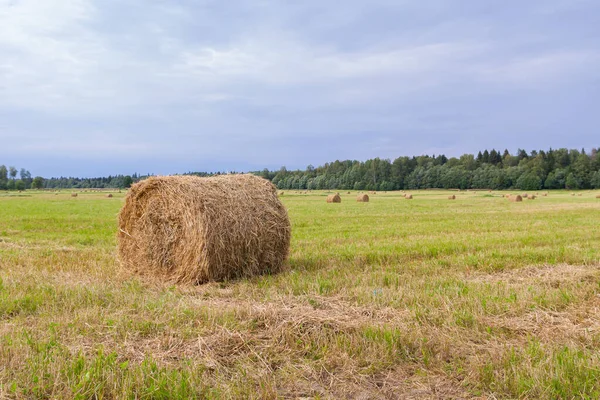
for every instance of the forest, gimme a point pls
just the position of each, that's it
(552, 169)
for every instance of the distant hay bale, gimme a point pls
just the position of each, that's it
(516, 198)
(598, 196)
(453, 197)
(580, 194)
(186, 229)
(545, 194)
(362, 198)
(572, 194)
(508, 195)
(334, 198)
(348, 192)
(73, 194)
(109, 195)
(531, 197)
(408, 196)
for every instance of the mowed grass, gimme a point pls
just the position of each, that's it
(422, 298)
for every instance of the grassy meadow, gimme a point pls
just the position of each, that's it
(476, 297)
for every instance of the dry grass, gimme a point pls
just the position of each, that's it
(475, 299)
(187, 229)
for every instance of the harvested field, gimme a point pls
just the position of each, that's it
(477, 298)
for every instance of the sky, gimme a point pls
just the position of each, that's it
(99, 87)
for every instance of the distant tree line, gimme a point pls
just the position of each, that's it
(9, 181)
(552, 169)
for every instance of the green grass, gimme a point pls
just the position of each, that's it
(425, 297)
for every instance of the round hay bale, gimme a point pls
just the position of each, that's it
(408, 197)
(187, 229)
(531, 197)
(453, 197)
(580, 194)
(516, 198)
(73, 194)
(334, 198)
(362, 198)
(109, 195)
(545, 194)
(598, 196)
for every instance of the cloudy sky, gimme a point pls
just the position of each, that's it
(97, 87)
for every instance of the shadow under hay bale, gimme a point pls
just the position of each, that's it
(187, 229)
(334, 198)
(362, 198)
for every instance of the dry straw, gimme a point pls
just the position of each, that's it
(362, 198)
(598, 196)
(187, 229)
(109, 195)
(73, 194)
(531, 197)
(453, 197)
(334, 198)
(516, 198)
(408, 196)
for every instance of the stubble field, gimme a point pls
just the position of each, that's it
(476, 297)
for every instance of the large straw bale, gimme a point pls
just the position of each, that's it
(362, 198)
(516, 198)
(187, 229)
(334, 198)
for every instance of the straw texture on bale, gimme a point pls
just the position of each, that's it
(334, 198)
(453, 197)
(362, 198)
(516, 198)
(187, 229)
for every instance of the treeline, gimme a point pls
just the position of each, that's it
(9, 181)
(552, 169)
